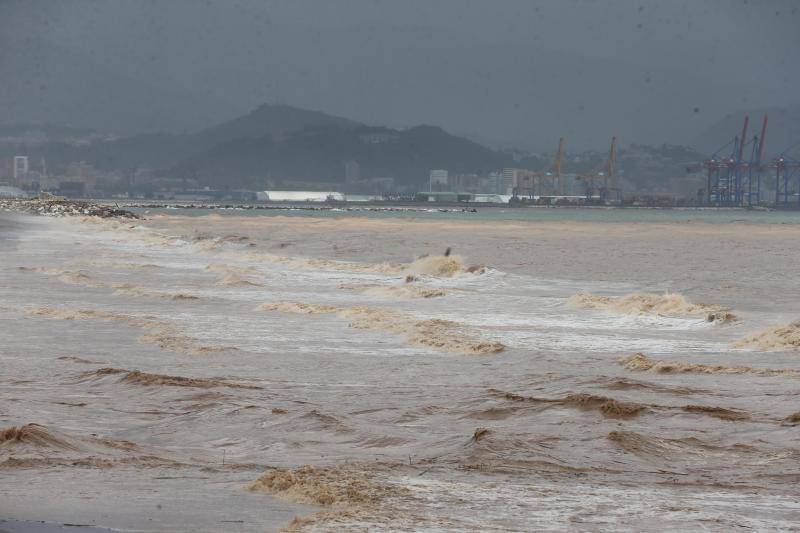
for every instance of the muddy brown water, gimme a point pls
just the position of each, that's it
(153, 371)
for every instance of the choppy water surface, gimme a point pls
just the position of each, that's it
(157, 371)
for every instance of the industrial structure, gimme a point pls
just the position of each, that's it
(602, 183)
(530, 184)
(787, 173)
(737, 178)
(732, 180)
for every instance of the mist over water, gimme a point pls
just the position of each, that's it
(179, 362)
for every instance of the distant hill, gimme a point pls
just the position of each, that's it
(783, 129)
(165, 150)
(284, 143)
(319, 155)
(275, 120)
(296, 147)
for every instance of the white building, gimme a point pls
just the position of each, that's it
(21, 167)
(493, 182)
(509, 180)
(437, 180)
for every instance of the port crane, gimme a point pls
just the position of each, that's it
(529, 182)
(558, 162)
(602, 182)
(554, 178)
(732, 180)
(787, 170)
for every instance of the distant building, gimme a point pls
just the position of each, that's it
(492, 183)
(508, 181)
(21, 167)
(519, 181)
(448, 197)
(352, 172)
(78, 172)
(437, 180)
(464, 182)
(379, 185)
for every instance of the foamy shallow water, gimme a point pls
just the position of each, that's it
(355, 364)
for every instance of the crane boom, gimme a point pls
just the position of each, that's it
(612, 163)
(559, 158)
(761, 139)
(743, 137)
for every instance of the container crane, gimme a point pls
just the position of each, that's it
(603, 179)
(732, 180)
(558, 163)
(787, 169)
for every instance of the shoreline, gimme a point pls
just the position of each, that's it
(411, 206)
(63, 207)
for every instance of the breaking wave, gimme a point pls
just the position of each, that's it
(609, 407)
(36, 446)
(441, 266)
(34, 435)
(345, 485)
(641, 363)
(775, 338)
(645, 303)
(396, 292)
(431, 333)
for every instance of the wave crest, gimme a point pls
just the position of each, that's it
(345, 485)
(641, 363)
(431, 333)
(775, 338)
(646, 303)
(136, 377)
(441, 266)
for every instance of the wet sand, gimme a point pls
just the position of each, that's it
(252, 373)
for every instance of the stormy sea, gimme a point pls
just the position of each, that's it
(231, 372)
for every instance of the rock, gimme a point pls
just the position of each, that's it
(51, 206)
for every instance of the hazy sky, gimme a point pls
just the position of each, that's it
(515, 72)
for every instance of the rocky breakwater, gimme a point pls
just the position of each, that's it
(60, 207)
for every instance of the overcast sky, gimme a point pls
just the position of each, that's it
(504, 72)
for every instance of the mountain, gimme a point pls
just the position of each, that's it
(783, 130)
(319, 154)
(284, 143)
(274, 120)
(164, 150)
